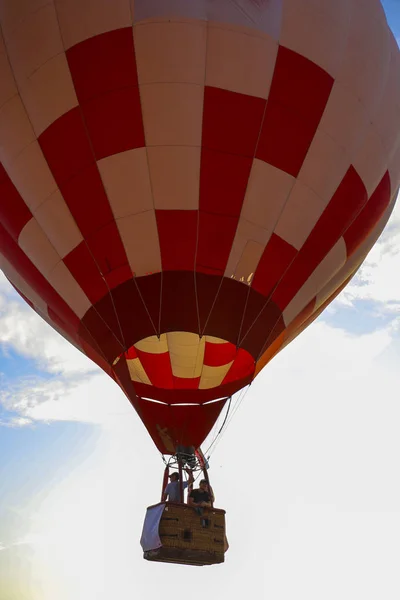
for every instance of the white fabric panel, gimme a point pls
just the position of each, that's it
(16, 132)
(31, 176)
(57, 222)
(388, 113)
(175, 176)
(245, 13)
(247, 248)
(213, 376)
(240, 62)
(172, 113)
(367, 59)
(331, 264)
(8, 89)
(67, 287)
(150, 539)
(48, 93)
(12, 12)
(310, 30)
(186, 351)
(301, 213)
(139, 235)
(33, 41)
(83, 19)
(137, 372)
(345, 119)
(127, 182)
(267, 191)
(171, 52)
(324, 167)
(33, 241)
(153, 344)
(371, 160)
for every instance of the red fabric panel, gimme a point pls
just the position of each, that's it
(243, 366)
(87, 200)
(13, 253)
(118, 275)
(177, 233)
(158, 368)
(104, 72)
(274, 261)
(178, 302)
(285, 138)
(369, 216)
(264, 331)
(170, 426)
(82, 266)
(223, 182)
(102, 335)
(114, 122)
(106, 311)
(14, 213)
(185, 383)
(66, 146)
(132, 315)
(226, 315)
(182, 396)
(231, 121)
(131, 353)
(299, 92)
(216, 355)
(216, 235)
(103, 63)
(345, 205)
(107, 248)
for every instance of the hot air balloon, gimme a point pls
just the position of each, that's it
(185, 186)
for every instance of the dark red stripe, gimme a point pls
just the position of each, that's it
(177, 233)
(299, 92)
(216, 235)
(14, 213)
(103, 63)
(66, 147)
(223, 182)
(274, 261)
(231, 121)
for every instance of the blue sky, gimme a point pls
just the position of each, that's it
(77, 469)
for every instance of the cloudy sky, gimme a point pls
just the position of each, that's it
(308, 469)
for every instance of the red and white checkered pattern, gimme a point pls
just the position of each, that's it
(178, 170)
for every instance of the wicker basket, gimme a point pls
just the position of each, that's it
(190, 538)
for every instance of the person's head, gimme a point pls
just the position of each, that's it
(203, 485)
(174, 477)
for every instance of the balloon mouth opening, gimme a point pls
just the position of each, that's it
(185, 360)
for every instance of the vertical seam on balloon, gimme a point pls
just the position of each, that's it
(105, 192)
(158, 328)
(198, 209)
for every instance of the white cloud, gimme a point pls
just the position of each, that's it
(22, 330)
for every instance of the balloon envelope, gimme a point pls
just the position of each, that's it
(184, 186)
